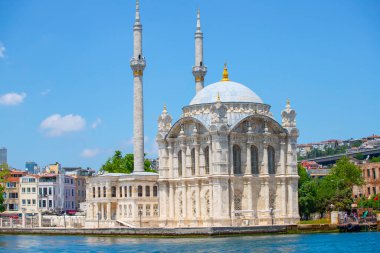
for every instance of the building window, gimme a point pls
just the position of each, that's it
(121, 191)
(207, 160)
(33, 189)
(147, 191)
(155, 189)
(369, 190)
(28, 190)
(130, 191)
(368, 173)
(23, 190)
(374, 173)
(140, 209)
(50, 191)
(236, 153)
(104, 192)
(271, 159)
(139, 191)
(193, 162)
(98, 192)
(155, 210)
(237, 203)
(50, 203)
(93, 192)
(147, 210)
(113, 191)
(130, 210)
(72, 192)
(180, 163)
(254, 160)
(374, 190)
(125, 192)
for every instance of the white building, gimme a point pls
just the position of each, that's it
(225, 162)
(28, 194)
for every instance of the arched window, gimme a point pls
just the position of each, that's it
(207, 160)
(147, 191)
(193, 162)
(139, 191)
(180, 163)
(130, 191)
(271, 165)
(155, 190)
(254, 160)
(113, 191)
(236, 159)
(104, 192)
(98, 192)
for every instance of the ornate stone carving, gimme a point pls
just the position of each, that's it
(164, 122)
(288, 116)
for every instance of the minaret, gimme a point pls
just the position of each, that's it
(138, 66)
(199, 70)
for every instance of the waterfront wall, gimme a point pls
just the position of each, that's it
(152, 231)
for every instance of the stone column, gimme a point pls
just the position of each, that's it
(198, 196)
(40, 219)
(108, 211)
(171, 201)
(197, 172)
(264, 162)
(184, 158)
(281, 170)
(283, 200)
(102, 211)
(184, 200)
(290, 200)
(248, 169)
(249, 195)
(170, 162)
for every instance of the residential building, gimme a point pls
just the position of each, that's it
(11, 192)
(28, 194)
(371, 176)
(56, 193)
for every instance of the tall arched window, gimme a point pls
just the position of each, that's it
(254, 160)
(147, 191)
(193, 162)
(139, 191)
(180, 163)
(155, 190)
(104, 192)
(207, 160)
(236, 153)
(271, 165)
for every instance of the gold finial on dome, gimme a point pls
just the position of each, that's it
(225, 73)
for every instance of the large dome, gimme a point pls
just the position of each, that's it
(228, 92)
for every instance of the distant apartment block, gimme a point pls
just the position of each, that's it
(3, 155)
(371, 176)
(31, 167)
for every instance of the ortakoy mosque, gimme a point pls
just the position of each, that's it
(225, 162)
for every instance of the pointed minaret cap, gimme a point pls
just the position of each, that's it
(198, 20)
(288, 103)
(164, 111)
(225, 73)
(137, 19)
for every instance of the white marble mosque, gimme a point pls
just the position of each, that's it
(225, 162)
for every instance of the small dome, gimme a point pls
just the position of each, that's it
(228, 92)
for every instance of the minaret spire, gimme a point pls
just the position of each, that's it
(138, 65)
(199, 70)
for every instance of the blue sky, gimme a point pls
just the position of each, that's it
(66, 85)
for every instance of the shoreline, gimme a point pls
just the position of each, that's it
(176, 232)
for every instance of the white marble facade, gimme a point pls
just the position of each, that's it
(227, 161)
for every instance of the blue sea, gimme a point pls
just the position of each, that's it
(336, 242)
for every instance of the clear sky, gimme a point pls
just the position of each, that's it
(66, 85)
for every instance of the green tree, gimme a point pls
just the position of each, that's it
(375, 159)
(4, 174)
(307, 192)
(119, 164)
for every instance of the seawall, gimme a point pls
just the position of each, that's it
(199, 231)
